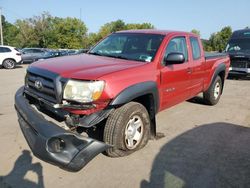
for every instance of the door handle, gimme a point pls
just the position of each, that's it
(189, 70)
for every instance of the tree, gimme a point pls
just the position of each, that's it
(139, 26)
(111, 27)
(9, 33)
(206, 45)
(42, 26)
(90, 40)
(26, 36)
(66, 33)
(50, 32)
(197, 32)
(218, 41)
(47, 31)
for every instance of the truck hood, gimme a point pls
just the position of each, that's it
(85, 66)
(240, 54)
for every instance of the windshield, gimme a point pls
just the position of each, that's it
(130, 46)
(238, 45)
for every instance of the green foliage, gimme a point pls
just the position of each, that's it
(139, 26)
(218, 41)
(90, 40)
(66, 33)
(195, 31)
(111, 27)
(26, 36)
(47, 31)
(9, 32)
(206, 45)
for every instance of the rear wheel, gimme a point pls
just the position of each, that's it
(127, 129)
(212, 95)
(9, 64)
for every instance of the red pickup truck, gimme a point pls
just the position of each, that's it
(119, 85)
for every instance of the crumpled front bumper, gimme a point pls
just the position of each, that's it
(52, 143)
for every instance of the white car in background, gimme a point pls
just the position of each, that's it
(9, 57)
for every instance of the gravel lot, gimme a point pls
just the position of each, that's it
(203, 146)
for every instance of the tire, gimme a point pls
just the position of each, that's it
(212, 95)
(120, 130)
(9, 64)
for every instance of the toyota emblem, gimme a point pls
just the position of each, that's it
(38, 84)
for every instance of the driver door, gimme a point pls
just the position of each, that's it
(175, 82)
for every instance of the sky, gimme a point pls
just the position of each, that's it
(206, 16)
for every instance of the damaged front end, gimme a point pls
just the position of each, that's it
(53, 144)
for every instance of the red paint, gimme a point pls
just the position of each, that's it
(120, 74)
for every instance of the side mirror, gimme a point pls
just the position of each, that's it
(174, 58)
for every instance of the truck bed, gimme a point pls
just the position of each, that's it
(212, 55)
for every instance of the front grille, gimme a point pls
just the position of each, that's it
(48, 89)
(240, 63)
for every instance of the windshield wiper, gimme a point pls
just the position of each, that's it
(115, 56)
(118, 56)
(122, 57)
(95, 53)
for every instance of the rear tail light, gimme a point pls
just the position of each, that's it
(18, 53)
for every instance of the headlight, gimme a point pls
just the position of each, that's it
(83, 91)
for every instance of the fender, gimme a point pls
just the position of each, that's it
(138, 90)
(221, 68)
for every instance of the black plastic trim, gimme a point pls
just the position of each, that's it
(94, 119)
(57, 80)
(238, 73)
(136, 91)
(38, 132)
(221, 68)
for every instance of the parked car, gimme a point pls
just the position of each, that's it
(49, 54)
(72, 52)
(123, 82)
(63, 52)
(238, 48)
(9, 57)
(81, 51)
(30, 55)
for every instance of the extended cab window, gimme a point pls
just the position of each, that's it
(196, 51)
(179, 45)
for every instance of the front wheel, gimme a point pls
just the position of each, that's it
(9, 64)
(127, 129)
(212, 95)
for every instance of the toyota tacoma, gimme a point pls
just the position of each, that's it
(118, 87)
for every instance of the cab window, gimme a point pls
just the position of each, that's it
(196, 51)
